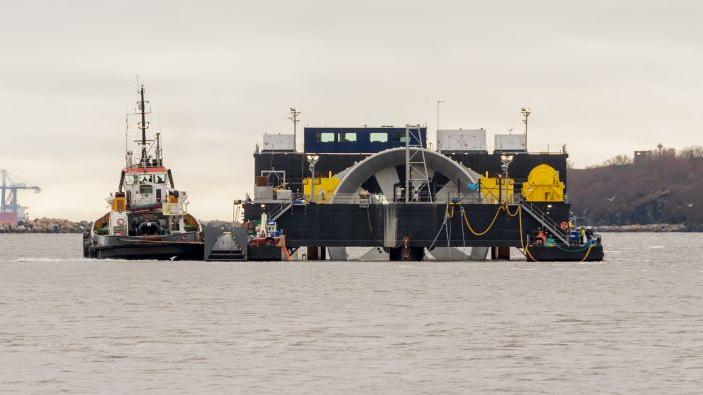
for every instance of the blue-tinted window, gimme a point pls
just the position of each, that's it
(378, 137)
(348, 137)
(325, 137)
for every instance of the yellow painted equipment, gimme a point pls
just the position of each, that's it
(324, 188)
(543, 185)
(491, 191)
(119, 204)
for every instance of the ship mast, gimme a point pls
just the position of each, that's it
(143, 126)
(158, 149)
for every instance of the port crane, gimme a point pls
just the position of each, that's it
(9, 190)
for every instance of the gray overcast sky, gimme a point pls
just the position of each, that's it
(605, 77)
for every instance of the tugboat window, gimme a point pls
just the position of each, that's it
(348, 137)
(146, 189)
(325, 137)
(380, 137)
(130, 180)
(145, 178)
(160, 178)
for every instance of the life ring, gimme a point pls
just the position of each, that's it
(120, 221)
(564, 225)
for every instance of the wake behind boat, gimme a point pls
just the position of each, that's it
(148, 216)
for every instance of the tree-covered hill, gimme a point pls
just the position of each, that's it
(658, 187)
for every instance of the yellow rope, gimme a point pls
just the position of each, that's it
(449, 215)
(525, 250)
(517, 211)
(587, 253)
(471, 229)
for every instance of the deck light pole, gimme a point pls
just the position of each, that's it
(526, 111)
(505, 159)
(312, 161)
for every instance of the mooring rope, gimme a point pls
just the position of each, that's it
(463, 239)
(587, 253)
(490, 226)
(517, 211)
(439, 232)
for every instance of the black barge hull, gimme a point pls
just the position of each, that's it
(565, 254)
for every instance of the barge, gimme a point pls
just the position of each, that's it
(382, 193)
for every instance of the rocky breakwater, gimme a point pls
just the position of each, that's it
(642, 228)
(46, 225)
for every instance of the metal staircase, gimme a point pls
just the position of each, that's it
(544, 220)
(280, 210)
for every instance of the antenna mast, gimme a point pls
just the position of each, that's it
(143, 126)
(158, 149)
(294, 118)
(126, 138)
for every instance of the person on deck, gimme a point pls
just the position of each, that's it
(582, 235)
(573, 236)
(542, 236)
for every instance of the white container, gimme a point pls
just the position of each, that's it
(263, 193)
(279, 142)
(461, 140)
(509, 142)
(283, 194)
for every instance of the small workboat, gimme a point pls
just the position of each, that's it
(589, 252)
(148, 216)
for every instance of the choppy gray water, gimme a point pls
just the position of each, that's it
(631, 324)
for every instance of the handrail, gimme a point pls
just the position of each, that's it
(280, 210)
(537, 210)
(545, 221)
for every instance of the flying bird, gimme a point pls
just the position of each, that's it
(610, 199)
(689, 204)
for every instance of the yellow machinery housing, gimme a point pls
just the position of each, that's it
(543, 185)
(493, 193)
(324, 188)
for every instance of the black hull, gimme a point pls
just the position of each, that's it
(412, 254)
(565, 254)
(264, 253)
(191, 251)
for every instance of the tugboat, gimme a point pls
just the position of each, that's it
(148, 217)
